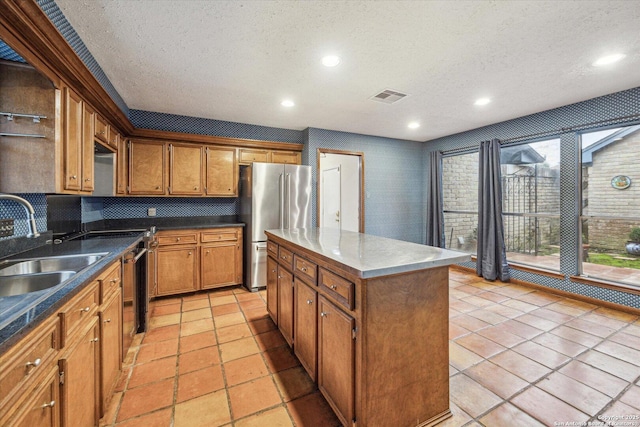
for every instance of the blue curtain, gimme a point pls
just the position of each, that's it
(492, 258)
(435, 217)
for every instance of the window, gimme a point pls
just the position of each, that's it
(460, 201)
(610, 204)
(531, 203)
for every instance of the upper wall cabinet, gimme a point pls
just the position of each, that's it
(248, 156)
(185, 169)
(77, 143)
(222, 172)
(147, 164)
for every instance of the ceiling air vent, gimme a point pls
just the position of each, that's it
(388, 96)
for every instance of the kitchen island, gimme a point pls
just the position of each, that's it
(368, 319)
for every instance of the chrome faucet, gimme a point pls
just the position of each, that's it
(33, 230)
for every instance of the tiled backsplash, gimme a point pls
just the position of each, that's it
(137, 207)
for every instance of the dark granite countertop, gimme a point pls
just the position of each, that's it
(21, 313)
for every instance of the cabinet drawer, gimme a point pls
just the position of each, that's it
(30, 358)
(248, 156)
(272, 249)
(305, 268)
(221, 235)
(340, 290)
(178, 239)
(77, 311)
(109, 282)
(285, 258)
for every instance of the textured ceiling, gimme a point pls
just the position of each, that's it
(236, 60)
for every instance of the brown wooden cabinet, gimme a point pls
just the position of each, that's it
(101, 129)
(79, 369)
(285, 303)
(185, 170)
(336, 359)
(221, 172)
(248, 156)
(190, 260)
(306, 326)
(221, 257)
(42, 409)
(110, 316)
(122, 168)
(177, 269)
(272, 289)
(147, 164)
(77, 143)
(289, 157)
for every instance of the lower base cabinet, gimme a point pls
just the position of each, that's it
(43, 408)
(336, 359)
(306, 326)
(110, 347)
(79, 379)
(191, 260)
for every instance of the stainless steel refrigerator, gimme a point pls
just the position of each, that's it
(272, 195)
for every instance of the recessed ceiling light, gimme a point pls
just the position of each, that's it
(609, 59)
(287, 103)
(330, 61)
(413, 125)
(482, 101)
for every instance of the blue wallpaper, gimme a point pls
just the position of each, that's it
(393, 181)
(201, 126)
(613, 109)
(136, 207)
(51, 9)
(9, 54)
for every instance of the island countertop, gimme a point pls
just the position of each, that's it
(367, 255)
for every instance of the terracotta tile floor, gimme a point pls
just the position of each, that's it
(518, 357)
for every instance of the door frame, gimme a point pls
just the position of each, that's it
(360, 154)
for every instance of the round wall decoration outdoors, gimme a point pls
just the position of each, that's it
(620, 182)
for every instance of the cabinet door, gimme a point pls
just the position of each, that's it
(218, 264)
(110, 347)
(306, 326)
(272, 289)
(336, 359)
(289, 157)
(87, 148)
(79, 368)
(177, 269)
(222, 172)
(42, 409)
(101, 128)
(122, 166)
(147, 162)
(285, 304)
(185, 169)
(72, 140)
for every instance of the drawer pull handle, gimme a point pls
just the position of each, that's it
(35, 363)
(49, 405)
(86, 309)
(309, 301)
(107, 321)
(323, 314)
(334, 287)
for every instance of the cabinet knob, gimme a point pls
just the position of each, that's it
(304, 269)
(208, 252)
(309, 301)
(190, 253)
(323, 314)
(87, 180)
(177, 239)
(114, 280)
(157, 187)
(49, 404)
(95, 340)
(74, 177)
(334, 287)
(107, 321)
(195, 188)
(86, 309)
(34, 364)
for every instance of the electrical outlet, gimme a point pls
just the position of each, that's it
(6, 227)
(151, 212)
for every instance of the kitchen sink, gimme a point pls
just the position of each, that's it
(50, 264)
(22, 284)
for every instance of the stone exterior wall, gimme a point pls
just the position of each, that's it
(618, 158)
(460, 193)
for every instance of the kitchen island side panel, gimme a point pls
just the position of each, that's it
(404, 367)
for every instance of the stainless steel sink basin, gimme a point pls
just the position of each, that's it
(41, 265)
(22, 284)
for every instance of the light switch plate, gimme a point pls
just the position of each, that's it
(151, 212)
(6, 227)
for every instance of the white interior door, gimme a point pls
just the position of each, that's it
(331, 196)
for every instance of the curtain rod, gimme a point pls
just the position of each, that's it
(553, 132)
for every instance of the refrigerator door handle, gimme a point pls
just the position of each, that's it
(288, 200)
(261, 247)
(281, 204)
